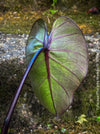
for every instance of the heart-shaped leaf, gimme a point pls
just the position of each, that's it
(60, 68)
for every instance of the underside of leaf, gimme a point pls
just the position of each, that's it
(59, 70)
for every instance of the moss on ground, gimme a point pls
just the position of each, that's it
(21, 22)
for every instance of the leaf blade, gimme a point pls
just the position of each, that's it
(71, 65)
(58, 71)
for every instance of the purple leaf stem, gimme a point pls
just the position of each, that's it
(13, 104)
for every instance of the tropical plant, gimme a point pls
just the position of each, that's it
(60, 64)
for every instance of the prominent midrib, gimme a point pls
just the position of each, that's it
(48, 77)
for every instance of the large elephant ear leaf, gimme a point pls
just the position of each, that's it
(58, 71)
(68, 61)
(60, 64)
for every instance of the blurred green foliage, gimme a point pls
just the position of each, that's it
(98, 118)
(54, 2)
(34, 4)
(18, 5)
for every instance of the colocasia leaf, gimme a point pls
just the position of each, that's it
(60, 68)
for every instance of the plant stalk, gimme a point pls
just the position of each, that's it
(13, 104)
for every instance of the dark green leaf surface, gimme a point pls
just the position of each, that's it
(58, 71)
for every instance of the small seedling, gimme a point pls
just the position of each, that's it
(52, 11)
(82, 119)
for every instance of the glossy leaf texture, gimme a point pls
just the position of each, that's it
(60, 68)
